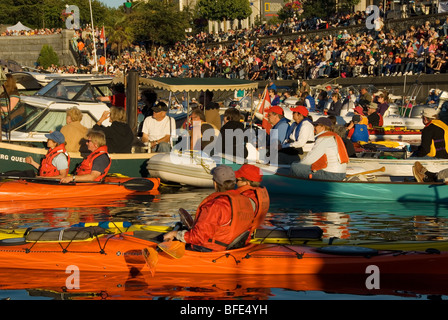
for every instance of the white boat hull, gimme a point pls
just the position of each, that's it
(185, 169)
(397, 167)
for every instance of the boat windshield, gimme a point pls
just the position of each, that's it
(68, 90)
(28, 118)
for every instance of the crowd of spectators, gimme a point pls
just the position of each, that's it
(242, 54)
(32, 32)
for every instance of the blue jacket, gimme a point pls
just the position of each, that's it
(312, 103)
(282, 128)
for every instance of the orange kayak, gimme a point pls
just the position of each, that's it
(25, 189)
(123, 252)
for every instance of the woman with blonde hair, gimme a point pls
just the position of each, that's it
(74, 131)
(119, 135)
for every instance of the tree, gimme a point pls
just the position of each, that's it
(120, 35)
(47, 57)
(157, 22)
(48, 13)
(224, 10)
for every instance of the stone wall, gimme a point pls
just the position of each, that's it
(26, 49)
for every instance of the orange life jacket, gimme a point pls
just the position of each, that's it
(86, 165)
(47, 169)
(322, 162)
(262, 203)
(241, 218)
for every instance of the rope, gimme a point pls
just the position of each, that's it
(65, 249)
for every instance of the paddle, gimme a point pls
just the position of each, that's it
(175, 249)
(136, 184)
(186, 218)
(382, 169)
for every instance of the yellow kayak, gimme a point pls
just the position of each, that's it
(309, 236)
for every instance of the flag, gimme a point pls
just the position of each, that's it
(265, 105)
(103, 36)
(103, 39)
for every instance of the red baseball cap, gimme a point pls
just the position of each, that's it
(359, 109)
(275, 109)
(300, 109)
(250, 172)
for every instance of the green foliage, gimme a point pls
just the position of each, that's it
(321, 8)
(47, 57)
(224, 9)
(161, 23)
(48, 13)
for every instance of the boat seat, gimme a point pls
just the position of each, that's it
(239, 241)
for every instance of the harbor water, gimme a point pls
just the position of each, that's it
(346, 220)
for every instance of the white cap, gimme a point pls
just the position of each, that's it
(430, 113)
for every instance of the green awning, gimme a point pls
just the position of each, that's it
(199, 84)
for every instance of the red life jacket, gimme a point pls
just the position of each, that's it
(118, 100)
(241, 218)
(322, 162)
(262, 202)
(47, 169)
(86, 165)
(381, 120)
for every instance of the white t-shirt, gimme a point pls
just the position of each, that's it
(306, 134)
(60, 162)
(158, 129)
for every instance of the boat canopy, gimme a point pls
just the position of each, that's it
(199, 84)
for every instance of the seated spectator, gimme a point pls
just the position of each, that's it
(299, 138)
(335, 105)
(327, 160)
(119, 135)
(203, 135)
(74, 131)
(374, 118)
(158, 129)
(233, 128)
(358, 127)
(280, 126)
(118, 97)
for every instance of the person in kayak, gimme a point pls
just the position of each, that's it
(248, 182)
(327, 160)
(220, 218)
(57, 161)
(96, 166)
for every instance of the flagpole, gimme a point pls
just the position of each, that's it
(93, 34)
(258, 107)
(105, 48)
